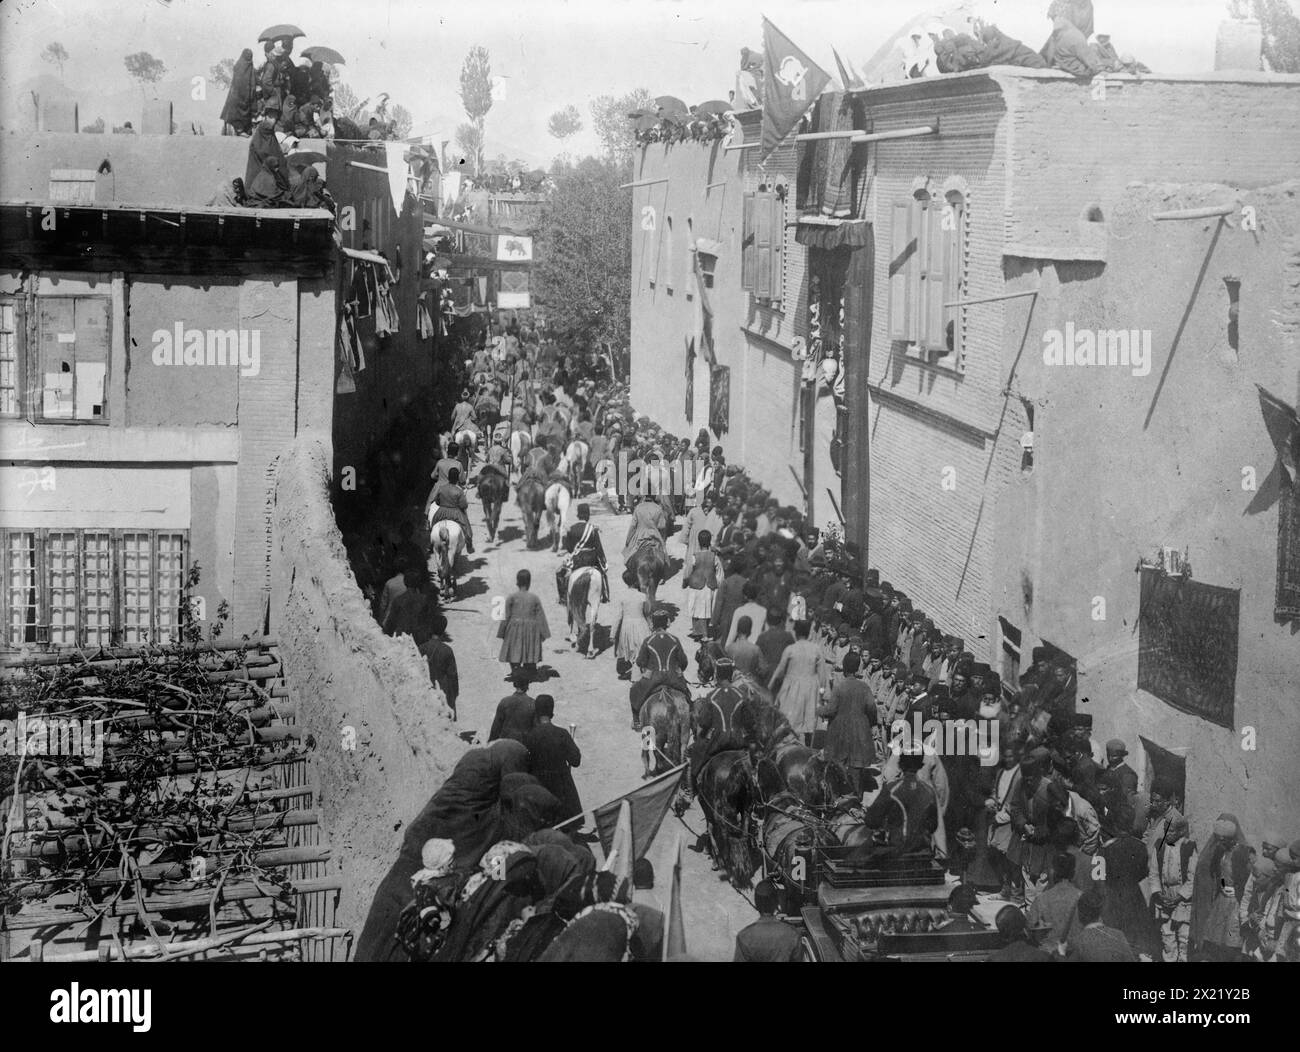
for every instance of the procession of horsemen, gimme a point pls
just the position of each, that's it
(819, 726)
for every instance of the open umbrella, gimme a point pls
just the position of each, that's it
(670, 104)
(644, 123)
(276, 32)
(318, 53)
(713, 106)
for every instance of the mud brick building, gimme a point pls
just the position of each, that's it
(156, 356)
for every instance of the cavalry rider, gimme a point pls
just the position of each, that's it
(451, 503)
(649, 521)
(715, 720)
(582, 542)
(463, 415)
(537, 467)
(907, 810)
(498, 461)
(662, 662)
(487, 407)
(443, 468)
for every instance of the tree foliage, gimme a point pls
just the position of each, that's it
(94, 128)
(584, 253)
(564, 123)
(469, 137)
(222, 73)
(610, 122)
(402, 121)
(1281, 29)
(56, 53)
(143, 67)
(346, 103)
(476, 84)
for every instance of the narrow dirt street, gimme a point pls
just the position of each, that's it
(589, 694)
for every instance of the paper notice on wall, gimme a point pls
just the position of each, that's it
(57, 396)
(67, 337)
(90, 390)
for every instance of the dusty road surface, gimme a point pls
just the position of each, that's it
(589, 694)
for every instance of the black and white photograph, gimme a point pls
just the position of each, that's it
(650, 481)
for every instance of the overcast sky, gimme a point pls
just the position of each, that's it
(551, 53)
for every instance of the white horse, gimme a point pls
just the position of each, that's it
(446, 544)
(576, 454)
(520, 443)
(558, 499)
(584, 606)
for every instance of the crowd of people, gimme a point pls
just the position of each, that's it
(1091, 866)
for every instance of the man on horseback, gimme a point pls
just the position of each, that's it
(715, 728)
(662, 662)
(442, 469)
(498, 459)
(649, 522)
(463, 416)
(450, 501)
(582, 543)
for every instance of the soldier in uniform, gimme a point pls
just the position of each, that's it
(662, 662)
(715, 728)
(582, 543)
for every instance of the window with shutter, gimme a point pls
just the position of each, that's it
(776, 251)
(902, 260)
(73, 343)
(763, 246)
(747, 244)
(934, 267)
(11, 400)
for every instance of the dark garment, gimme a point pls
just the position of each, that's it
(409, 615)
(552, 754)
(648, 942)
(768, 940)
(748, 658)
(1002, 50)
(466, 811)
(729, 599)
(1020, 952)
(238, 110)
(1067, 49)
(772, 643)
(516, 717)
(873, 635)
(910, 814)
(851, 713)
(1125, 907)
(266, 178)
(442, 667)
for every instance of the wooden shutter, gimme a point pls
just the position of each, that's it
(763, 238)
(747, 253)
(776, 258)
(902, 264)
(933, 284)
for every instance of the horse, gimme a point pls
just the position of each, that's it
(467, 442)
(727, 795)
(790, 833)
(584, 606)
(557, 501)
(804, 773)
(668, 712)
(706, 657)
(647, 567)
(446, 543)
(493, 489)
(576, 454)
(519, 444)
(530, 495)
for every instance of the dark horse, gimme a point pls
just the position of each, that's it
(790, 833)
(647, 568)
(530, 495)
(668, 712)
(492, 492)
(728, 795)
(781, 761)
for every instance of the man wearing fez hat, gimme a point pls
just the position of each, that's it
(873, 625)
(908, 809)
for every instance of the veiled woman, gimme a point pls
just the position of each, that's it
(237, 113)
(468, 811)
(1205, 935)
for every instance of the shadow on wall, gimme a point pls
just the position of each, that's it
(384, 744)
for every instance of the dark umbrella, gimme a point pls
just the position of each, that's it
(318, 53)
(276, 32)
(713, 106)
(644, 123)
(670, 103)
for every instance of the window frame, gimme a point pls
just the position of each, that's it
(42, 628)
(17, 302)
(917, 315)
(36, 409)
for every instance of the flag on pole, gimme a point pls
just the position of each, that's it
(620, 856)
(674, 925)
(791, 83)
(649, 802)
(1283, 426)
(848, 77)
